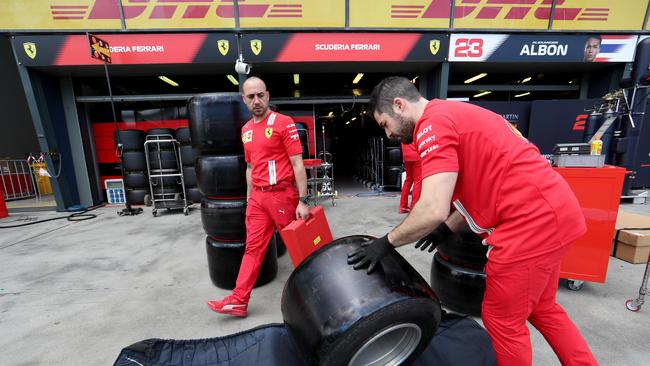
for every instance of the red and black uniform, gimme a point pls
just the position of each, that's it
(413, 169)
(267, 147)
(528, 214)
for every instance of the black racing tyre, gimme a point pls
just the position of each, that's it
(134, 161)
(465, 249)
(189, 155)
(182, 135)
(162, 159)
(167, 190)
(224, 260)
(224, 219)
(460, 289)
(136, 180)
(221, 176)
(305, 151)
(340, 316)
(303, 133)
(392, 143)
(394, 156)
(393, 177)
(193, 194)
(215, 122)
(166, 181)
(160, 134)
(130, 139)
(279, 243)
(189, 174)
(135, 196)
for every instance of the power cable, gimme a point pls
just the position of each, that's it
(77, 216)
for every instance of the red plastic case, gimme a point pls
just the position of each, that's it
(303, 237)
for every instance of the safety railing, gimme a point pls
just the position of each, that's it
(17, 179)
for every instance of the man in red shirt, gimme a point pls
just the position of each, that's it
(503, 188)
(413, 177)
(276, 188)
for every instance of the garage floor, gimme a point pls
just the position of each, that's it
(77, 293)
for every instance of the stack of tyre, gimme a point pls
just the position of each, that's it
(303, 134)
(163, 159)
(134, 165)
(457, 272)
(215, 122)
(189, 154)
(393, 164)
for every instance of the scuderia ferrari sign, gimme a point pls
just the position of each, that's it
(542, 48)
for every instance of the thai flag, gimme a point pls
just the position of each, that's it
(617, 48)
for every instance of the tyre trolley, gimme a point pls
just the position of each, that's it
(635, 304)
(165, 171)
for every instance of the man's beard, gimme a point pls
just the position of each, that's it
(406, 128)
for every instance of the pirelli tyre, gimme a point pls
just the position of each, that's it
(465, 249)
(221, 176)
(182, 135)
(162, 159)
(341, 316)
(224, 219)
(279, 243)
(461, 289)
(134, 161)
(393, 177)
(189, 155)
(215, 122)
(135, 196)
(189, 174)
(130, 139)
(394, 156)
(136, 180)
(160, 134)
(167, 192)
(193, 194)
(224, 259)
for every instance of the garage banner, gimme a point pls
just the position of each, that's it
(127, 49)
(541, 48)
(341, 47)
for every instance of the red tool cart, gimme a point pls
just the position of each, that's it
(599, 192)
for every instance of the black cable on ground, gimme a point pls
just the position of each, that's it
(77, 216)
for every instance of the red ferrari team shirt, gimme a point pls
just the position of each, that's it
(505, 189)
(267, 147)
(409, 152)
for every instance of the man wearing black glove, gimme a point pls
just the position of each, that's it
(435, 238)
(370, 254)
(499, 184)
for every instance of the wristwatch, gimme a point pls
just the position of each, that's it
(304, 200)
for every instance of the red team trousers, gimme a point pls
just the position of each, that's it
(525, 290)
(268, 208)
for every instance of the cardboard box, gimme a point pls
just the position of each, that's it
(632, 245)
(631, 253)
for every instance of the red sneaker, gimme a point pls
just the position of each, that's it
(404, 210)
(229, 305)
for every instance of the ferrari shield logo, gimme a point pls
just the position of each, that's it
(256, 46)
(30, 49)
(434, 46)
(268, 132)
(223, 45)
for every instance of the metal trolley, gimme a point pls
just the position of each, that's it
(157, 144)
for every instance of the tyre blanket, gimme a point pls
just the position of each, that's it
(459, 341)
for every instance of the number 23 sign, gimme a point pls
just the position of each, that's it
(474, 47)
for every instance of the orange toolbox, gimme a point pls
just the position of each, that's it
(303, 237)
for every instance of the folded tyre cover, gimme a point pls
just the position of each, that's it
(459, 341)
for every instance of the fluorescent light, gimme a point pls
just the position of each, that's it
(482, 94)
(296, 93)
(232, 79)
(357, 78)
(168, 80)
(472, 79)
(413, 80)
(522, 94)
(331, 114)
(296, 79)
(353, 118)
(526, 80)
(347, 123)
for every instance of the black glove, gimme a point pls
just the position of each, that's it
(437, 236)
(370, 253)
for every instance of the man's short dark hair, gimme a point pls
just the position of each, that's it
(596, 37)
(381, 99)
